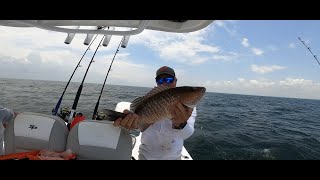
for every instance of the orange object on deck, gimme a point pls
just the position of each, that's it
(79, 117)
(19, 156)
(39, 155)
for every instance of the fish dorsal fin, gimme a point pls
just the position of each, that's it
(152, 92)
(156, 90)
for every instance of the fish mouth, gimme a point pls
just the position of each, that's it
(201, 90)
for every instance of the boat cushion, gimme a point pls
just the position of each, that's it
(93, 139)
(34, 131)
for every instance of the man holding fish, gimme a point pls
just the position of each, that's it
(165, 116)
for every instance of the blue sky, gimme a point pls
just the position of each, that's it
(255, 57)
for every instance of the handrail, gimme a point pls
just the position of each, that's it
(143, 24)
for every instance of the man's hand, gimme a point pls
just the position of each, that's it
(129, 122)
(179, 113)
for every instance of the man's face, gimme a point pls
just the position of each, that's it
(166, 80)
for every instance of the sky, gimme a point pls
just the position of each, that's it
(252, 57)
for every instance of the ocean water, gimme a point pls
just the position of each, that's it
(228, 126)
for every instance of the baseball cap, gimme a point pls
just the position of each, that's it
(165, 70)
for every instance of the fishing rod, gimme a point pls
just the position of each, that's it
(55, 110)
(75, 103)
(315, 56)
(97, 104)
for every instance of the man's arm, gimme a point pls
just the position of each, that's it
(183, 119)
(188, 130)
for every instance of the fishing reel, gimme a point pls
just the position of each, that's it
(100, 115)
(63, 113)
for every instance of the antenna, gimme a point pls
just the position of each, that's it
(315, 56)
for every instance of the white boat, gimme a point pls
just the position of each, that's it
(89, 139)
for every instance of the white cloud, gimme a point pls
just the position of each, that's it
(290, 87)
(296, 82)
(241, 83)
(261, 84)
(265, 69)
(219, 23)
(224, 24)
(124, 71)
(257, 51)
(245, 42)
(187, 51)
(62, 58)
(186, 48)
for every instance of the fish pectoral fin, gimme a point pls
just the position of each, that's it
(112, 115)
(142, 127)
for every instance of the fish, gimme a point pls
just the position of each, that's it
(154, 106)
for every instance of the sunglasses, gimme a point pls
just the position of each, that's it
(168, 80)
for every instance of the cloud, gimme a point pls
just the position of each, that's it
(19, 42)
(265, 69)
(296, 82)
(124, 71)
(225, 25)
(40, 54)
(289, 87)
(257, 51)
(261, 84)
(242, 82)
(189, 48)
(219, 23)
(185, 48)
(58, 57)
(245, 42)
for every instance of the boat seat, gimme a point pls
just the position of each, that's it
(99, 140)
(33, 131)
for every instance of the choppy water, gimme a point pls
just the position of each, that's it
(228, 127)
